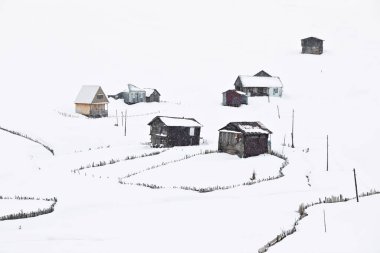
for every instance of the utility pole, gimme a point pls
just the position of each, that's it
(327, 152)
(278, 112)
(122, 119)
(125, 123)
(117, 119)
(293, 129)
(324, 219)
(356, 187)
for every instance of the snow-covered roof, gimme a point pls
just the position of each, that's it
(255, 127)
(149, 91)
(260, 81)
(238, 92)
(175, 121)
(252, 129)
(229, 131)
(241, 93)
(86, 94)
(132, 87)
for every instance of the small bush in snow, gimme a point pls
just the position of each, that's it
(302, 210)
(253, 175)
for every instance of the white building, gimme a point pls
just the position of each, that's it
(261, 84)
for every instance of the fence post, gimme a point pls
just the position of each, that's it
(356, 187)
(293, 129)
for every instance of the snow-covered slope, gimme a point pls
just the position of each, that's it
(191, 53)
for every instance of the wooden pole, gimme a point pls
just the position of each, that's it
(324, 219)
(327, 153)
(122, 119)
(125, 123)
(278, 112)
(293, 129)
(356, 187)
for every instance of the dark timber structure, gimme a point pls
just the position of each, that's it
(312, 45)
(174, 131)
(234, 98)
(152, 95)
(244, 139)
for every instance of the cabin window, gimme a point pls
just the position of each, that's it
(191, 131)
(99, 96)
(275, 90)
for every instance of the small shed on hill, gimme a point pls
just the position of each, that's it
(312, 45)
(260, 84)
(234, 98)
(174, 131)
(91, 101)
(244, 139)
(152, 95)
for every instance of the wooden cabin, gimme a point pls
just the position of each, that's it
(260, 84)
(244, 139)
(174, 131)
(92, 101)
(234, 98)
(151, 95)
(312, 45)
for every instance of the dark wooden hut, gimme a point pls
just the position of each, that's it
(244, 139)
(174, 131)
(260, 84)
(234, 98)
(312, 45)
(152, 95)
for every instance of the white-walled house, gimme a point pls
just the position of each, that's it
(133, 94)
(260, 84)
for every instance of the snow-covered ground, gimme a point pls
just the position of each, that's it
(190, 52)
(350, 227)
(210, 171)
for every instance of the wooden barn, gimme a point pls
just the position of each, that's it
(151, 95)
(260, 84)
(312, 45)
(173, 131)
(91, 101)
(244, 139)
(234, 98)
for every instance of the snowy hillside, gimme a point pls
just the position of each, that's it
(191, 53)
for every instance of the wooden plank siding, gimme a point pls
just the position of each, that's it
(154, 97)
(312, 45)
(170, 136)
(244, 139)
